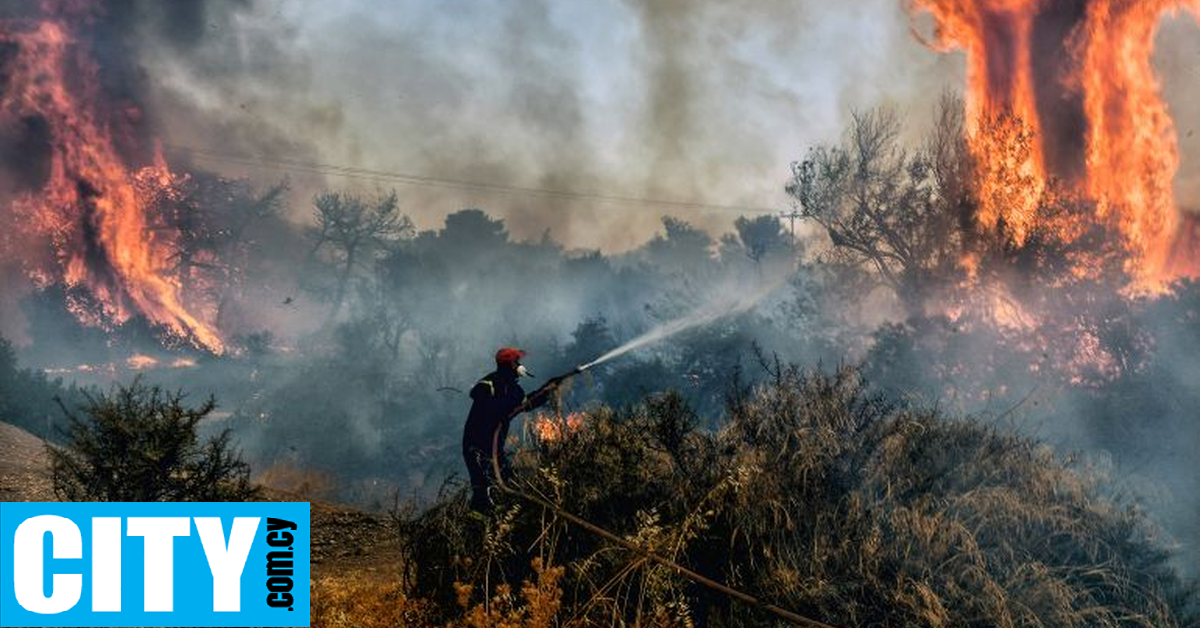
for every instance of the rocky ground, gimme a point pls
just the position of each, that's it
(342, 538)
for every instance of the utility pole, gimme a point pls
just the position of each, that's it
(791, 217)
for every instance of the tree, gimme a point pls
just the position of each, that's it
(140, 444)
(475, 241)
(356, 229)
(28, 397)
(683, 247)
(474, 228)
(591, 338)
(212, 219)
(236, 244)
(761, 236)
(899, 213)
(760, 239)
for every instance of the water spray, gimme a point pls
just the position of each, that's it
(728, 304)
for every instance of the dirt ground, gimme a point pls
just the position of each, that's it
(24, 466)
(343, 539)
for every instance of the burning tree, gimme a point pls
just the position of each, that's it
(86, 206)
(1079, 77)
(973, 244)
(214, 217)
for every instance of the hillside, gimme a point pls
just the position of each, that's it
(342, 538)
(24, 471)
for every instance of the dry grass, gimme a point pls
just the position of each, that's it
(305, 484)
(821, 499)
(363, 599)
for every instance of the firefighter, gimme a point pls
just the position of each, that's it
(496, 399)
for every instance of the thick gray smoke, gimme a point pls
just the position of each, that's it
(1175, 55)
(696, 101)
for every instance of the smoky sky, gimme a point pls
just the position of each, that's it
(1177, 57)
(698, 101)
(695, 100)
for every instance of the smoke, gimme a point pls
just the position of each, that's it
(162, 51)
(1059, 101)
(695, 101)
(1177, 45)
(704, 101)
(672, 122)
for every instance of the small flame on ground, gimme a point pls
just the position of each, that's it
(139, 362)
(548, 428)
(135, 362)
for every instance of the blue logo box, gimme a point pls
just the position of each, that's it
(154, 564)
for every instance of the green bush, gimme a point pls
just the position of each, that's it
(140, 444)
(31, 400)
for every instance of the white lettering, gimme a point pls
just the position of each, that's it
(226, 563)
(159, 533)
(65, 542)
(106, 564)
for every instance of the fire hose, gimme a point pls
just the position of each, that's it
(745, 598)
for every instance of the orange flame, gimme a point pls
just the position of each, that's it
(140, 362)
(1077, 78)
(550, 428)
(93, 209)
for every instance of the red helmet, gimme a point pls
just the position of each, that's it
(509, 355)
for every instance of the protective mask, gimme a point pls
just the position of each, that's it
(523, 372)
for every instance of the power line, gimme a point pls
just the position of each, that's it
(387, 176)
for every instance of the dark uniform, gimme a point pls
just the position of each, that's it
(495, 398)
